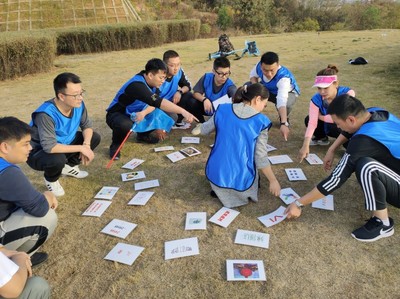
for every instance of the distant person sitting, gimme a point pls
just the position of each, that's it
(211, 87)
(143, 87)
(16, 280)
(281, 84)
(27, 217)
(58, 145)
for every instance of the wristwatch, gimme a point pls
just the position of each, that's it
(285, 124)
(298, 204)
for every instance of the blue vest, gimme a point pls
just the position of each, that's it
(208, 87)
(169, 88)
(231, 163)
(323, 105)
(283, 72)
(385, 132)
(5, 164)
(65, 127)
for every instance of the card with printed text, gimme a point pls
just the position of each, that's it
(224, 216)
(313, 159)
(181, 248)
(106, 192)
(325, 203)
(124, 253)
(134, 175)
(196, 220)
(97, 208)
(164, 148)
(270, 148)
(132, 164)
(119, 228)
(280, 159)
(273, 218)
(190, 140)
(141, 198)
(175, 156)
(288, 195)
(146, 185)
(247, 237)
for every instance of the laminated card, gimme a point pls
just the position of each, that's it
(146, 185)
(288, 195)
(181, 248)
(245, 270)
(175, 156)
(134, 175)
(119, 228)
(190, 151)
(313, 159)
(132, 164)
(295, 174)
(124, 253)
(106, 192)
(141, 198)
(280, 159)
(196, 220)
(164, 148)
(325, 203)
(274, 217)
(97, 208)
(190, 140)
(224, 217)
(247, 237)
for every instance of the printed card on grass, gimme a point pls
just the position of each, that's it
(190, 140)
(97, 208)
(273, 218)
(141, 198)
(247, 237)
(224, 216)
(288, 195)
(175, 156)
(106, 192)
(181, 248)
(124, 253)
(295, 174)
(313, 159)
(245, 270)
(270, 148)
(325, 203)
(164, 148)
(196, 220)
(130, 176)
(132, 164)
(190, 151)
(146, 185)
(119, 228)
(280, 159)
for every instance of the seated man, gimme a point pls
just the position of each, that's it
(16, 278)
(142, 87)
(373, 153)
(58, 146)
(281, 84)
(27, 217)
(176, 87)
(211, 87)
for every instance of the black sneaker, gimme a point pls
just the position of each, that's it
(146, 138)
(113, 149)
(374, 230)
(38, 257)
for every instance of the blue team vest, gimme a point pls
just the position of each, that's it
(323, 106)
(169, 88)
(231, 162)
(385, 132)
(208, 87)
(4, 164)
(65, 127)
(283, 72)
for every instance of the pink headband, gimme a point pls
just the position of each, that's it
(324, 81)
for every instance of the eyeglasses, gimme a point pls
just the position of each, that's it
(221, 74)
(82, 94)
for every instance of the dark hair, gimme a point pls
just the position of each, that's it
(155, 65)
(247, 92)
(269, 58)
(169, 54)
(11, 128)
(344, 105)
(221, 62)
(330, 70)
(60, 82)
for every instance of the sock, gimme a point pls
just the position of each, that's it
(386, 222)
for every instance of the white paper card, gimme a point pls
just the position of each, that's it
(222, 100)
(180, 248)
(273, 218)
(124, 253)
(119, 228)
(176, 156)
(196, 220)
(295, 174)
(190, 151)
(270, 148)
(97, 208)
(164, 148)
(130, 176)
(190, 140)
(224, 216)
(313, 159)
(247, 237)
(325, 203)
(146, 185)
(132, 164)
(141, 198)
(288, 195)
(245, 270)
(106, 192)
(280, 159)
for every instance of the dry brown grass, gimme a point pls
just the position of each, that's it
(312, 257)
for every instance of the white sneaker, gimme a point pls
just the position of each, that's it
(55, 187)
(74, 172)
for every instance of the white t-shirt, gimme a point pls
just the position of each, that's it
(7, 269)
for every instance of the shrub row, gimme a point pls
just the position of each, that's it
(23, 53)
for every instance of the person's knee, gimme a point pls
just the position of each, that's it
(96, 138)
(51, 220)
(361, 165)
(36, 287)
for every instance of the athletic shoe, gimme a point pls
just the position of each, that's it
(38, 257)
(374, 230)
(55, 187)
(113, 148)
(181, 126)
(146, 138)
(322, 141)
(74, 171)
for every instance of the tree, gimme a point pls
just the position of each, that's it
(251, 16)
(225, 17)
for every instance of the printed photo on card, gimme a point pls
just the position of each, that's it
(313, 159)
(247, 237)
(295, 174)
(106, 192)
(119, 228)
(124, 253)
(141, 198)
(146, 185)
(181, 248)
(190, 151)
(176, 156)
(288, 195)
(132, 164)
(164, 148)
(280, 159)
(190, 140)
(273, 218)
(97, 208)
(196, 220)
(245, 270)
(134, 175)
(224, 216)
(325, 203)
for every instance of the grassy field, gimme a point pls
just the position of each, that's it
(311, 257)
